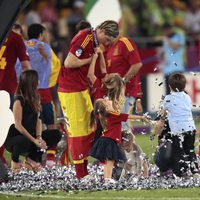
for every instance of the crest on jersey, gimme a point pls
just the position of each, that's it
(79, 52)
(116, 52)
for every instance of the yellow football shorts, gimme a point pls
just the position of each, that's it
(77, 107)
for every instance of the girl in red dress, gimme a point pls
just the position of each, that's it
(106, 147)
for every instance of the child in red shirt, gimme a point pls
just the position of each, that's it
(107, 146)
(110, 86)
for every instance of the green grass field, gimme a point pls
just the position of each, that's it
(172, 194)
(148, 147)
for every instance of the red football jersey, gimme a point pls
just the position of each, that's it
(12, 49)
(98, 90)
(120, 57)
(98, 72)
(114, 126)
(75, 79)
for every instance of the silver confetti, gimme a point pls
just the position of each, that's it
(64, 179)
(175, 63)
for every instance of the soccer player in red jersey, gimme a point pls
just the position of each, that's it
(74, 94)
(122, 57)
(12, 49)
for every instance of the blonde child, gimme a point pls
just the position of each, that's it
(107, 146)
(110, 86)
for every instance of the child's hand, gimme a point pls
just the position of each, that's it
(95, 56)
(146, 118)
(98, 50)
(40, 143)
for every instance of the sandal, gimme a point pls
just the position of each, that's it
(32, 167)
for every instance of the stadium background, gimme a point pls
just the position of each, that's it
(140, 20)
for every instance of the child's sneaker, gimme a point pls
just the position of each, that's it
(109, 181)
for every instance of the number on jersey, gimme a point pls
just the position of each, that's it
(2, 59)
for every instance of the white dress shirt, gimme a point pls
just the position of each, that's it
(178, 106)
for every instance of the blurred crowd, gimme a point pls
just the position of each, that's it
(58, 16)
(145, 18)
(148, 17)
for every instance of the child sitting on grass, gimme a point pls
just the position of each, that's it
(137, 162)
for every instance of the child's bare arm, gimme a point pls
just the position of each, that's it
(159, 126)
(91, 75)
(141, 117)
(102, 60)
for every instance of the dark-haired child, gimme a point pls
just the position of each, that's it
(177, 106)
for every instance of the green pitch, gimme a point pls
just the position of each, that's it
(148, 147)
(172, 194)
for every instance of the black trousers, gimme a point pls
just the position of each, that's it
(20, 145)
(183, 155)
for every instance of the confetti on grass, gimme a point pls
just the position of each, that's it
(63, 178)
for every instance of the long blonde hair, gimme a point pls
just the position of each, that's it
(115, 88)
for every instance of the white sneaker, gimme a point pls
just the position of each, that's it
(110, 181)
